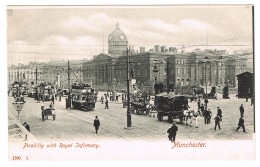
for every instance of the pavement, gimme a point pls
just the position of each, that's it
(17, 132)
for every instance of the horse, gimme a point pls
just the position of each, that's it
(192, 115)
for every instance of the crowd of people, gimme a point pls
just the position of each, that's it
(204, 111)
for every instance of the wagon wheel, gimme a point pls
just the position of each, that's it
(54, 117)
(160, 116)
(170, 118)
(42, 116)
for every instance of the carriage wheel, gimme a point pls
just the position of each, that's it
(170, 119)
(42, 116)
(160, 116)
(54, 117)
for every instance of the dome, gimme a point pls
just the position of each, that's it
(117, 35)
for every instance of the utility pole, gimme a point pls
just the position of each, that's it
(68, 101)
(68, 74)
(129, 123)
(168, 84)
(36, 75)
(18, 74)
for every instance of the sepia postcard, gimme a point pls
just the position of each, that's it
(131, 82)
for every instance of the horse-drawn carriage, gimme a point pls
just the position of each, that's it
(140, 107)
(48, 112)
(191, 92)
(171, 105)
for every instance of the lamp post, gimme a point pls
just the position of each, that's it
(205, 61)
(129, 121)
(155, 71)
(18, 105)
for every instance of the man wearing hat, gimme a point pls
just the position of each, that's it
(217, 122)
(209, 116)
(96, 124)
(241, 124)
(172, 132)
(219, 113)
(26, 126)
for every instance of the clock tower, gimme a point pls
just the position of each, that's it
(117, 41)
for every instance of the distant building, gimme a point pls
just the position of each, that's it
(117, 41)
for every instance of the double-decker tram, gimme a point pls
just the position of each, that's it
(83, 96)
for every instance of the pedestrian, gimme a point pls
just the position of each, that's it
(172, 132)
(38, 98)
(26, 126)
(206, 116)
(246, 98)
(241, 124)
(202, 109)
(209, 116)
(219, 113)
(252, 101)
(106, 104)
(102, 99)
(116, 98)
(206, 103)
(96, 124)
(216, 97)
(217, 122)
(52, 98)
(198, 103)
(59, 96)
(242, 110)
(52, 106)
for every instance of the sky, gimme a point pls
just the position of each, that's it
(37, 33)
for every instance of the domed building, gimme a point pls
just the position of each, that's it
(117, 41)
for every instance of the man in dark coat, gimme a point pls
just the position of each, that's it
(209, 116)
(172, 132)
(206, 103)
(106, 104)
(242, 110)
(26, 126)
(206, 116)
(241, 124)
(202, 109)
(217, 122)
(52, 99)
(219, 113)
(96, 124)
(198, 103)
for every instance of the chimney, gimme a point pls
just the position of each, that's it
(173, 49)
(163, 48)
(157, 47)
(142, 49)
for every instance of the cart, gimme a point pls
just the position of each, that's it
(48, 112)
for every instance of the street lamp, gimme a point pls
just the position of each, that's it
(18, 105)
(155, 71)
(205, 60)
